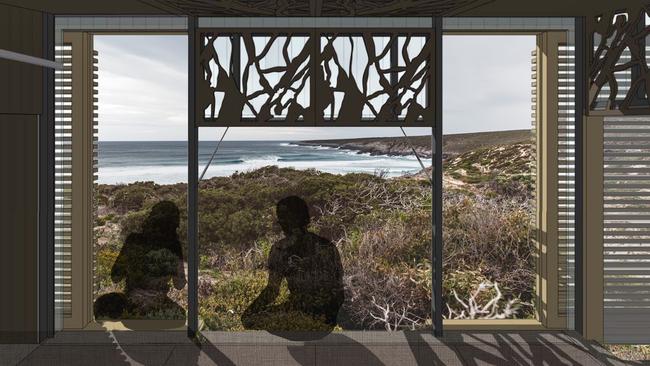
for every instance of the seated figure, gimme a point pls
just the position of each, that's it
(147, 262)
(312, 268)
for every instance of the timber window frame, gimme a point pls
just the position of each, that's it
(75, 150)
(550, 34)
(82, 137)
(556, 214)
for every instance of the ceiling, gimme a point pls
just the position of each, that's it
(317, 8)
(326, 7)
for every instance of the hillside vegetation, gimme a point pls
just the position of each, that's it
(381, 227)
(452, 145)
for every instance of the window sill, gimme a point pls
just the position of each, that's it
(498, 324)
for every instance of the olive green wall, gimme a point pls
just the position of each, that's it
(20, 106)
(18, 228)
(20, 84)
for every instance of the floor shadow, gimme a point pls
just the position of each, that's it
(457, 348)
(508, 348)
(335, 349)
(421, 350)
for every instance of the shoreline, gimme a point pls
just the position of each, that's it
(453, 144)
(392, 155)
(391, 146)
(377, 146)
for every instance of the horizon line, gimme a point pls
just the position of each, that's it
(341, 138)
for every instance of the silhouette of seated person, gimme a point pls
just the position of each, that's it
(147, 262)
(312, 268)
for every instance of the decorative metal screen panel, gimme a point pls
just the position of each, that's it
(310, 77)
(253, 77)
(627, 230)
(619, 73)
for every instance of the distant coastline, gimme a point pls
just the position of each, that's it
(390, 146)
(165, 162)
(453, 145)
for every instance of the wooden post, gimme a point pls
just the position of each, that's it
(547, 117)
(593, 283)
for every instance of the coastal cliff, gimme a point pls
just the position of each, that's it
(453, 145)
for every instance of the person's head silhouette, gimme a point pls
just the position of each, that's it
(162, 221)
(293, 215)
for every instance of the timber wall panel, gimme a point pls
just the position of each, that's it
(20, 84)
(18, 228)
(21, 88)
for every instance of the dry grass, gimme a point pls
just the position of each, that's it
(630, 352)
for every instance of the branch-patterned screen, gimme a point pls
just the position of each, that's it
(307, 77)
(618, 72)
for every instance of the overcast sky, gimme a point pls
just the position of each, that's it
(143, 90)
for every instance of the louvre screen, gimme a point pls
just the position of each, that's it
(63, 185)
(566, 178)
(626, 230)
(63, 180)
(565, 171)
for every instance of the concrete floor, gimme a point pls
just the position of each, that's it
(97, 348)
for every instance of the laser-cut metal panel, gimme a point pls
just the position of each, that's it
(254, 76)
(618, 70)
(292, 77)
(376, 78)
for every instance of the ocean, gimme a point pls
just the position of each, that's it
(165, 162)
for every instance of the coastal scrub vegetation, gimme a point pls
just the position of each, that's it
(381, 227)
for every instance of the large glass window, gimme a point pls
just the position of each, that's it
(140, 241)
(118, 98)
(359, 195)
(315, 229)
(489, 179)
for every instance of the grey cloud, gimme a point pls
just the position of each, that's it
(143, 90)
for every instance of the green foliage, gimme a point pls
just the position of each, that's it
(464, 282)
(159, 263)
(382, 229)
(493, 237)
(131, 197)
(102, 220)
(223, 301)
(104, 260)
(131, 222)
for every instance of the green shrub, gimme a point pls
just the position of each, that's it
(223, 301)
(131, 223)
(131, 197)
(104, 260)
(382, 228)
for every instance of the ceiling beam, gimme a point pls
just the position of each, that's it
(20, 57)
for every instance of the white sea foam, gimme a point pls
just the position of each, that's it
(126, 163)
(178, 173)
